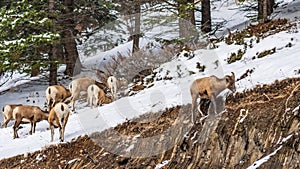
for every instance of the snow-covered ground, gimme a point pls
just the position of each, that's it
(163, 94)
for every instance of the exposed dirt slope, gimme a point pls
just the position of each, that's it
(229, 140)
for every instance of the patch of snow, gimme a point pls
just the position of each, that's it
(130, 148)
(296, 109)
(71, 161)
(162, 164)
(286, 139)
(258, 163)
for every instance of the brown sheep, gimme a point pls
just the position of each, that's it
(112, 85)
(58, 117)
(7, 112)
(82, 84)
(31, 113)
(55, 94)
(210, 87)
(96, 96)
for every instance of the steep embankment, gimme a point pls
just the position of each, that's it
(269, 129)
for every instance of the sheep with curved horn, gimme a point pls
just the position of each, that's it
(31, 114)
(210, 87)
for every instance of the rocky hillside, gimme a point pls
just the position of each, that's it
(259, 128)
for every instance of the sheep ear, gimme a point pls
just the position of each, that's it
(227, 79)
(62, 108)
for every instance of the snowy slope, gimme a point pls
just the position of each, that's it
(163, 94)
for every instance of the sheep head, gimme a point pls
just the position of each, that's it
(230, 82)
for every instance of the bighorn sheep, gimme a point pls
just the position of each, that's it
(81, 84)
(210, 87)
(112, 85)
(96, 96)
(58, 117)
(31, 113)
(55, 94)
(7, 112)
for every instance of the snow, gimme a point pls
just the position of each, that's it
(163, 94)
(162, 164)
(258, 163)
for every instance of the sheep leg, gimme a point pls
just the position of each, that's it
(88, 100)
(48, 105)
(97, 101)
(60, 134)
(31, 126)
(74, 97)
(113, 93)
(53, 104)
(5, 122)
(63, 127)
(213, 103)
(92, 102)
(15, 127)
(32, 130)
(52, 131)
(194, 100)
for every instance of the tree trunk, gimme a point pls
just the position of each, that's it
(187, 28)
(271, 4)
(265, 9)
(70, 47)
(206, 16)
(52, 54)
(71, 54)
(260, 9)
(137, 28)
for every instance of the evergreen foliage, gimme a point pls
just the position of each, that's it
(27, 30)
(25, 36)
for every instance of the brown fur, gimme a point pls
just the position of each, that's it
(32, 113)
(103, 99)
(9, 114)
(53, 97)
(58, 117)
(210, 87)
(81, 84)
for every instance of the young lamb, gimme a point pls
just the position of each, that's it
(58, 117)
(112, 85)
(96, 96)
(210, 87)
(81, 84)
(32, 114)
(7, 112)
(55, 94)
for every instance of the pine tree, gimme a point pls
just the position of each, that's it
(25, 37)
(36, 33)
